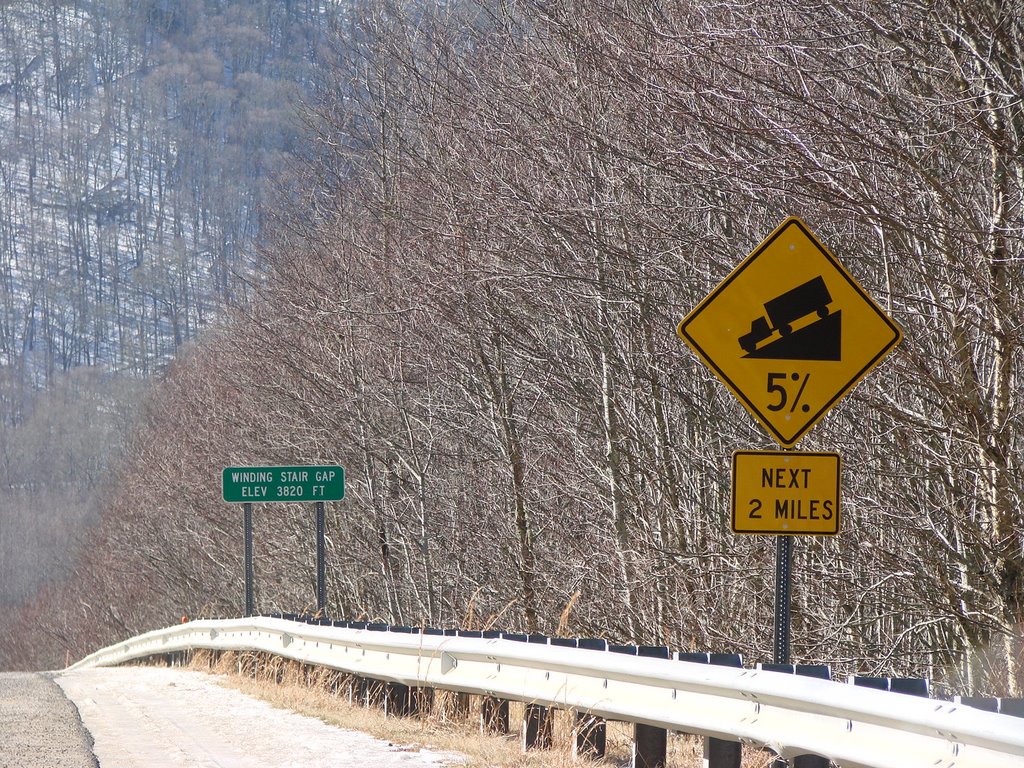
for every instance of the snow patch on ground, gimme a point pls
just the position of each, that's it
(155, 717)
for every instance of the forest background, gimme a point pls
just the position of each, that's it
(446, 246)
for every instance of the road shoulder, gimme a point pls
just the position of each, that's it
(39, 726)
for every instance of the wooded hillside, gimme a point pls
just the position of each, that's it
(469, 299)
(137, 142)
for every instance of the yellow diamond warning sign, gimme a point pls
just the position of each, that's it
(785, 492)
(789, 332)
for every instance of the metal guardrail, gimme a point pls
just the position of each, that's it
(855, 727)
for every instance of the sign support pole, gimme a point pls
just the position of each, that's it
(250, 607)
(814, 333)
(321, 564)
(783, 588)
(317, 483)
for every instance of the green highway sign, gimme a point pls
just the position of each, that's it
(246, 485)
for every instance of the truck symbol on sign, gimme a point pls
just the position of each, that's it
(811, 297)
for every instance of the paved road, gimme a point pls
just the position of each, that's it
(151, 717)
(39, 727)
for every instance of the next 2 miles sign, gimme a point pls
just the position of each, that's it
(785, 492)
(308, 483)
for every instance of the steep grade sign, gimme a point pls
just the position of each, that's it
(242, 485)
(789, 332)
(785, 492)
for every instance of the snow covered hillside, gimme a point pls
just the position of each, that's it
(136, 143)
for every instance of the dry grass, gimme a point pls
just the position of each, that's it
(450, 724)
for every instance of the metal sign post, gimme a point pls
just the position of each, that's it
(790, 332)
(321, 561)
(250, 601)
(783, 590)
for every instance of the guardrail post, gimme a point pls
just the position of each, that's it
(423, 701)
(536, 729)
(590, 732)
(396, 700)
(460, 707)
(820, 671)
(494, 716)
(377, 694)
(590, 736)
(650, 746)
(352, 689)
(719, 753)
(456, 702)
(650, 743)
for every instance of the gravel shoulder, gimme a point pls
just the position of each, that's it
(39, 726)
